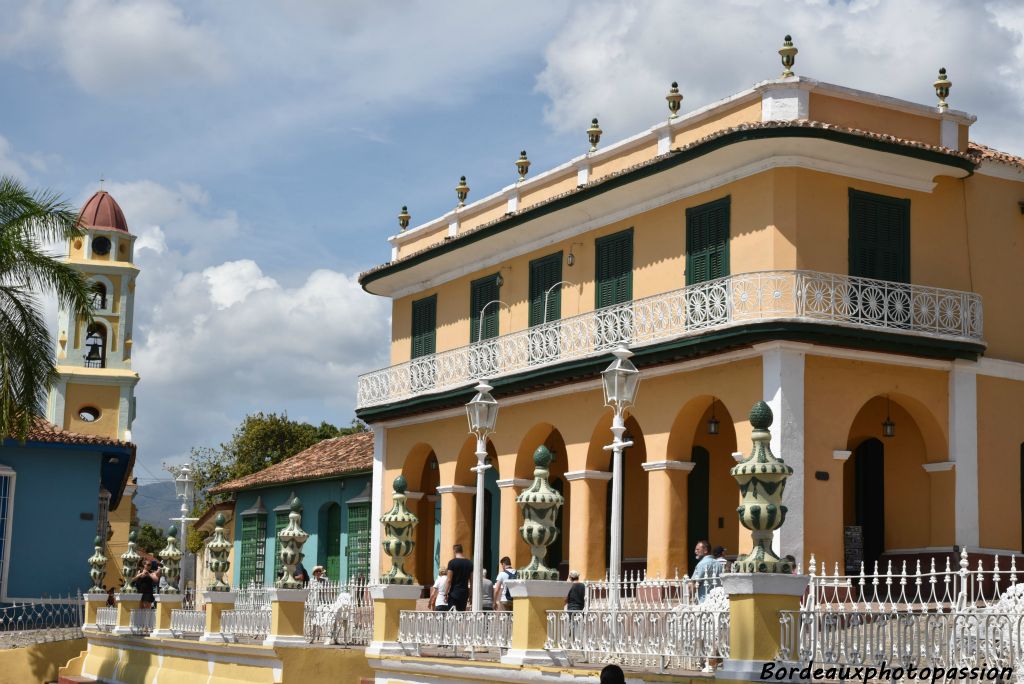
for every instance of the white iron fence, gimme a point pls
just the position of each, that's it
(250, 618)
(937, 617)
(22, 624)
(185, 622)
(338, 613)
(688, 637)
(635, 590)
(141, 620)
(456, 630)
(807, 296)
(106, 618)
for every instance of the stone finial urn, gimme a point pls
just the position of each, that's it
(762, 479)
(218, 549)
(399, 524)
(171, 556)
(540, 504)
(292, 538)
(97, 567)
(130, 560)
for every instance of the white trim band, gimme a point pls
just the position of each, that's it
(588, 475)
(652, 466)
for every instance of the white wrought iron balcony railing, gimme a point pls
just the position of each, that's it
(141, 620)
(469, 631)
(798, 296)
(338, 613)
(106, 618)
(186, 622)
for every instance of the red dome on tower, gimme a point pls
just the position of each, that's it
(102, 211)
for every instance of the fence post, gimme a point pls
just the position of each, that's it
(93, 602)
(531, 601)
(125, 604)
(165, 603)
(389, 600)
(216, 603)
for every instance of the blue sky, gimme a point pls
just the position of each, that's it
(262, 150)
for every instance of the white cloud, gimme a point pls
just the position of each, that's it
(9, 166)
(617, 60)
(232, 282)
(112, 47)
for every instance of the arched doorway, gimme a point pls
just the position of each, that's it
(698, 490)
(869, 498)
(634, 500)
(558, 553)
(422, 477)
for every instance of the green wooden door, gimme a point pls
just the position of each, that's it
(614, 269)
(879, 244)
(707, 241)
(358, 550)
(544, 273)
(424, 326)
(332, 545)
(481, 293)
(280, 522)
(254, 547)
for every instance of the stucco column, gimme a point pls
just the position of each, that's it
(666, 517)
(588, 500)
(510, 542)
(963, 449)
(377, 487)
(456, 519)
(942, 491)
(782, 368)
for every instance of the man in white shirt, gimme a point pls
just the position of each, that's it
(502, 599)
(439, 592)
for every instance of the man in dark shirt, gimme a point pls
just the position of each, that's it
(577, 593)
(460, 569)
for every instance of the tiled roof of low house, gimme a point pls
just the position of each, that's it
(329, 458)
(971, 156)
(982, 153)
(44, 431)
(206, 520)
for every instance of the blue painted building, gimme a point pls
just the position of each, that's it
(332, 480)
(56, 490)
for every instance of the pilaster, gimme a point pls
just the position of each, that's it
(963, 449)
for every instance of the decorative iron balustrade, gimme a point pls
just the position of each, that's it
(141, 620)
(338, 613)
(456, 630)
(247, 623)
(685, 638)
(106, 618)
(635, 590)
(940, 616)
(805, 296)
(23, 624)
(185, 622)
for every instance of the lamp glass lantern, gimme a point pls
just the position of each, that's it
(888, 427)
(184, 483)
(482, 411)
(713, 422)
(620, 380)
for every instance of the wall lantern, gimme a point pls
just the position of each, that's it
(713, 422)
(888, 427)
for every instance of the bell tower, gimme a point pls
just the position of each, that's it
(95, 394)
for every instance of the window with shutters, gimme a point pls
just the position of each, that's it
(254, 548)
(280, 522)
(424, 326)
(707, 241)
(879, 242)
(544, 274)
(357, 550)
(482, 292)
(614, 269)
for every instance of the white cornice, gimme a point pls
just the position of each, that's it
(456, 489)
(1000, 169)
(841, 454)
(938, 466)
(651, 466)
(514, 482)
(588, 475)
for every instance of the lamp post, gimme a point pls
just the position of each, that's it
(621, 380)
(184, 488)
(482, 412)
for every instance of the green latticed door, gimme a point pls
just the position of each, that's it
(358, 550)
(280, 522)
(254, 546)
(332, 546)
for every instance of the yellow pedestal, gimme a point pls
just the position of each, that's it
(754, 604)
(93, 602)
(126, 603)
(531, 601)
(216, 603)
(287, 609)
(389, 600)
(165, 603)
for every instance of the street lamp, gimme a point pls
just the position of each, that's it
(621, 380)
(184, 488)
(482, 412)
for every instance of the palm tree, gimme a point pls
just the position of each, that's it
(28, 221)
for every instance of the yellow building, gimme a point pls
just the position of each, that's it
(95, 394)
(828, 250)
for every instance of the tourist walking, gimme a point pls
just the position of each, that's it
(439, 592)
(486, 592)
(502, 597)
(577, 596)
(706, 571)
(460, 570)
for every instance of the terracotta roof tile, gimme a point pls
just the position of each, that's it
(103, 211)
(982, 153)
(870, 135)
(45, 431)
(329, 458)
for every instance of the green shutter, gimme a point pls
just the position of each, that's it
(358, 549)
(332, 545)
(280, 522)
(879, 244)
(544, 274)
(424, 326)
(254, 548)
(481, 293)
(614, 269)
(707, 241)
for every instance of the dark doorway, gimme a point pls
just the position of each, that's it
(869, 497)
(555, 556)
(697, 489)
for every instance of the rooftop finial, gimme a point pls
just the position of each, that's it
(522, 165)
(942, 86)
(462, 191)
(404, 217)
(788, 54)
(675, 99)
(594, 134)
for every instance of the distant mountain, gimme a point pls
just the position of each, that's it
(157, 504)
